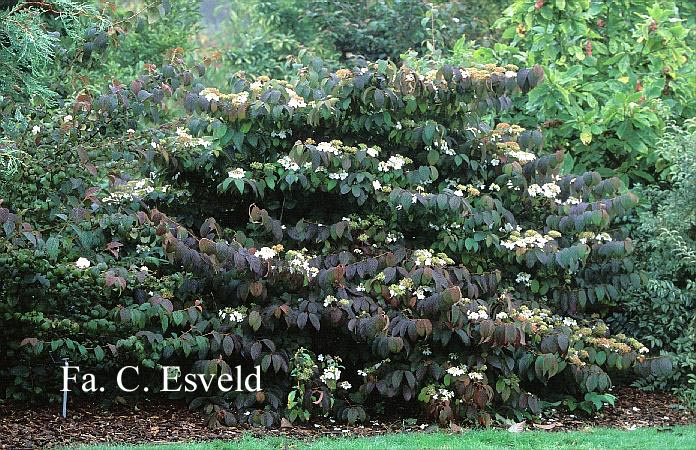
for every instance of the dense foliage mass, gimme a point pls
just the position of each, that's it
(661, 313)
(362, 235)
(616, 72)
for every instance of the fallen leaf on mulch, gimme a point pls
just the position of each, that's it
(517, 427)
(545, 426)
(455, 428)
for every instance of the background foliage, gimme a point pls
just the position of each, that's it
(662, 312)
(616, 72)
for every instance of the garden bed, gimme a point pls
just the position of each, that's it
(146, 422)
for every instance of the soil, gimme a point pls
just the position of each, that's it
(22, 426)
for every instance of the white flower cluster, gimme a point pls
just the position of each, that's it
(288, 163)
(443, 394)
(522, 156)
(396, 162)
(548, 190)
(511, 186)
(393, 237)
(501, 315)
(569, 322)
(210, 95)
(329, 300)
(345, 385)
(82, 263)
(449, 226)
(373, 368)
(404, 285)
(131, 190)
(478, 376)
(266, 253)
(328, 147)
(240, 98)
(523, 278)
(236, 174)
(372, 151)
(183, 137)
(509, 228)
(480, 314)
(342, 175)
(424, 257)
(569, 201)
(298, 263)
(444, 147)
(458, 371)
(234, 315)
(530, 239)
(282, 133)
(295, 100)
(332, 371)
(586, 236)
(420, 293)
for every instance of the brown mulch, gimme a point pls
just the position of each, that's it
(22, 426)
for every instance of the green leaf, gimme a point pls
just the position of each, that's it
(52, 247)
(178, 317)
(433, 157)
(255, 320)
(99, 353)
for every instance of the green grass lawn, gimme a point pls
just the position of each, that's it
(653, 439)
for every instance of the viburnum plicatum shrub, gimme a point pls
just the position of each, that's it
(367, 235)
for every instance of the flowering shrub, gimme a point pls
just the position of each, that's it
(358, 234)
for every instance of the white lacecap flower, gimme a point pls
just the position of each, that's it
(567, 321)
(288, 163)
(327, 147)
(237, 174)
(476, 376)
(266, 253)
(457, 371)
(297, 102)
(345, 385)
